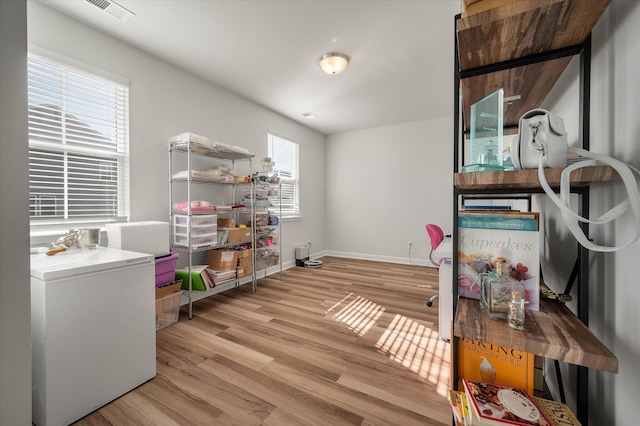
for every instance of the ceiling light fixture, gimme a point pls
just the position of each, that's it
(334, 63)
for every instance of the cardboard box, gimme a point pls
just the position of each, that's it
(226, 222)
(244, 262)
(244, 270)
(222, 260)
(168, 289)
(245, 253)
(238, 235)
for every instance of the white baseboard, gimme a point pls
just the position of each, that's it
(390, 259)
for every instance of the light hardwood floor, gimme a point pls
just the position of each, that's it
(349, 343)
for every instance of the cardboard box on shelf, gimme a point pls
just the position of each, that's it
(168, 289)
(238, 235)
(226, 222)
(245, 253)
(222, 260)
(245, 263)
(244, 271)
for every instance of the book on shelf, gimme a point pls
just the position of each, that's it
(223, 235)
(199, 278)
(455, 399)
(500, 215)
(483, 237)
(496, 405)
(494, 223)
(486, 207)
(489, 363)
(206, 277)
(219, 276)
(557, 413)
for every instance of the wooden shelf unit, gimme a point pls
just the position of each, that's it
(553, 332)
(524, 47)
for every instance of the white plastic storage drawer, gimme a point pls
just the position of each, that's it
(202, 229)
(196, 230)
(196, 220)
(196, 242)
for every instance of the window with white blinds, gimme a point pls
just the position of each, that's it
(78, 145)
(284, 153)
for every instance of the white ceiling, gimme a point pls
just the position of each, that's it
(401, 52)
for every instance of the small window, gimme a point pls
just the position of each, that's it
(284, 153)
(78, 145)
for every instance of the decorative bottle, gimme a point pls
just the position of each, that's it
(516, 311)
(497, 288)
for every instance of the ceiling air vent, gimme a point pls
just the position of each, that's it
(113, 9)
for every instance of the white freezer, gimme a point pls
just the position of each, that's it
(445, 300)
(445, 290)
(93, 330)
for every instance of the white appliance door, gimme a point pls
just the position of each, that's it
(93, 337)
(445, 302)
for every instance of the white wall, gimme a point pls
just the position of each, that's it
(615, 124)
(15, 302)
(165, 101)
(384, 185)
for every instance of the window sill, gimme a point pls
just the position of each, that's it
(44, 237)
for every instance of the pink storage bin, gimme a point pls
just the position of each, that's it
(166, 269)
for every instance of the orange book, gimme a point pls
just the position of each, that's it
(488, 363)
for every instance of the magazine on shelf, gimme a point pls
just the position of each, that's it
(502, 234)
(500, 215)
(557, 413)
(220, 276)
(497, 405)
(489, 363)
(456, 400)
(487, 207)
(488, 222)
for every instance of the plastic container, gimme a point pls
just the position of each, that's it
(262, 193)
(257, 203)
(166, 269)
(204, 230)
(196, 242)
(196, 220)
(167, 310)
(196, 230)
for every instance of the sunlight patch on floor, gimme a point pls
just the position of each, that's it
(360, 314)
(419, 349)
(406, 341)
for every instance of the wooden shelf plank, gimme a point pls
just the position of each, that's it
(531, 82)
(525, 27)
(528, 179)
(520, 29)
(553, 332)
